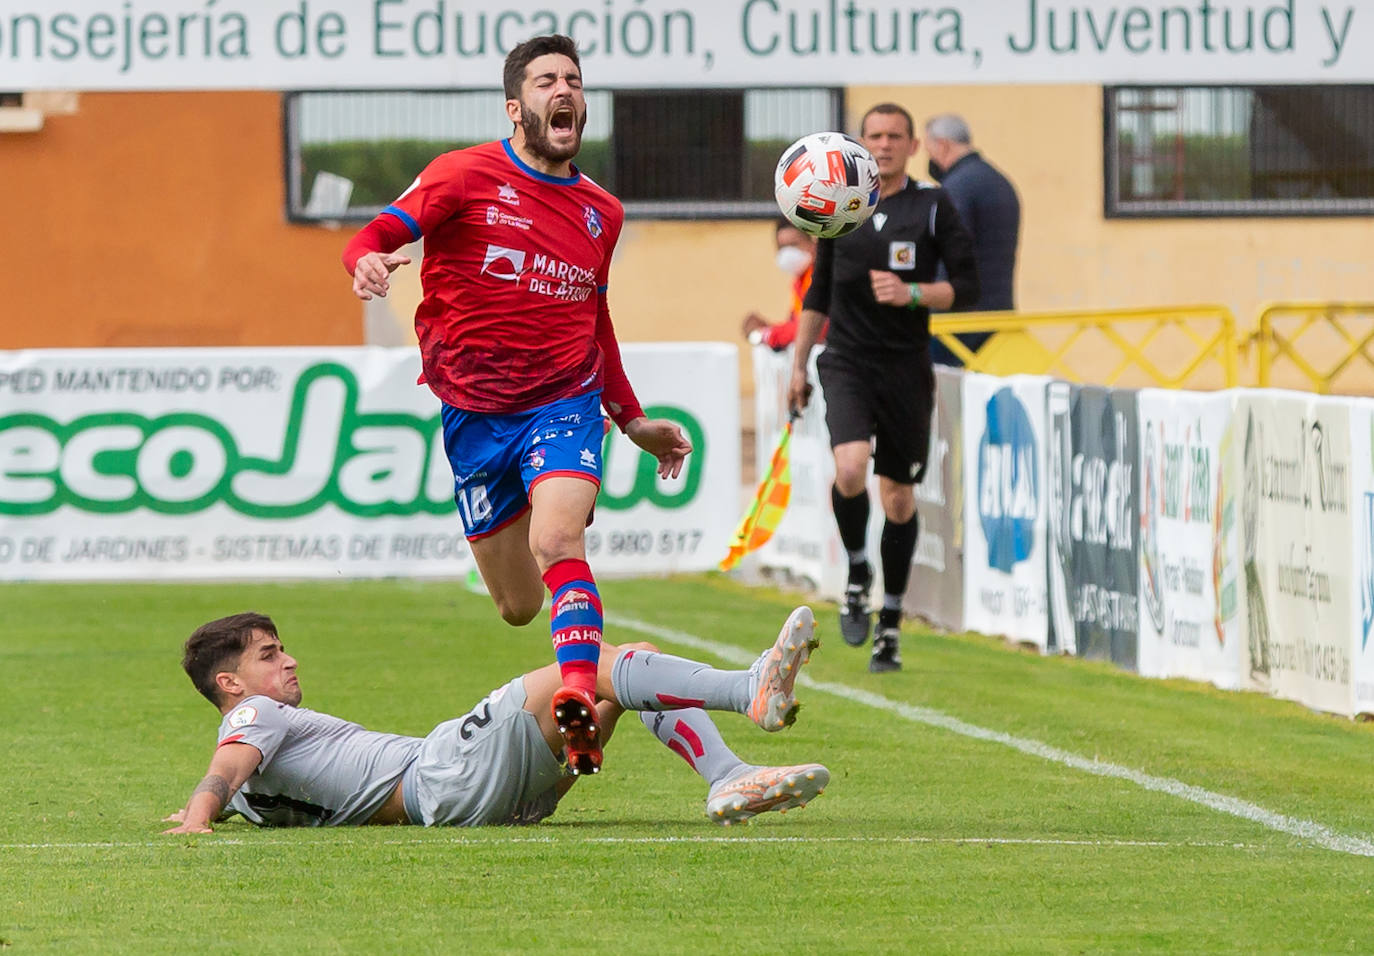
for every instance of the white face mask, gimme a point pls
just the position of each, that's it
(792, 260)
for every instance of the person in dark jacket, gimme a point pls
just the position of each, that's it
(989, 209)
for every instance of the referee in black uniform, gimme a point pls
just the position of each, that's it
(877, 286)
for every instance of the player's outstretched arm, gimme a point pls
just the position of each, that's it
(662, 439)
(229, 768)
(372, 273)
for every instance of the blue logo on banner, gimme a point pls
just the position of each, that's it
(1008, 482)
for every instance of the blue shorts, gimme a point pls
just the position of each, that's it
(497, 459)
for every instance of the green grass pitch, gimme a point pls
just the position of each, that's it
(934, 836)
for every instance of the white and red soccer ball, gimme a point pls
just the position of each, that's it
(826, 184)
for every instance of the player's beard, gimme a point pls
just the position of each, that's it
(536, 130)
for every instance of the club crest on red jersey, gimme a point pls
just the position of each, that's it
(593, 220)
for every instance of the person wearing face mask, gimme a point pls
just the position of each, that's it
(796, 254)
(990, 210)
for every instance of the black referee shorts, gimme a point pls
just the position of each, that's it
(887, 400)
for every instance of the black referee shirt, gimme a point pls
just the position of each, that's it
(909, 234)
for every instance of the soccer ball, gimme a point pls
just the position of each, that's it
(826, 184)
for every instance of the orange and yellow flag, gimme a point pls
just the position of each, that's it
(770, 502)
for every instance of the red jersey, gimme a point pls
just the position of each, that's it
(514, 275)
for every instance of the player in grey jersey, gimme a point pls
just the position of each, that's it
(279, 764)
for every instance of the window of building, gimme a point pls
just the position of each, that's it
(663, 153)
(1239, 151)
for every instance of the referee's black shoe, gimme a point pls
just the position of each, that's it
(886, 656)
(855, 619)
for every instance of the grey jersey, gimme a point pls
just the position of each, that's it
(316, 770)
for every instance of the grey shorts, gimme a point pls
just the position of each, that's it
(490, 766)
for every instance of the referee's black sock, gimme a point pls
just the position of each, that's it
(897, 546)
(852, 519)
(851, 515)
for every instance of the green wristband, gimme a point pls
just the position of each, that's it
(915, 291)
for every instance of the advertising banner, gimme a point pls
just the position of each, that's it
(1191, 587)
(1362, 602)
(805, 550)
(306, 462)
(416, 44)
(936, 589)
(1297, 496)
(1004, 511)
(1093, 519)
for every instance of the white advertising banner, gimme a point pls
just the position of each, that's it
(806, 549)
(1362, 602)
(1004, 507)
(416, 44)
(1191, 587)
(935, 591)
(310, 462)
(1296, 458)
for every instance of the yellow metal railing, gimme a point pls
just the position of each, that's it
(1174, 347)
(1335, 352)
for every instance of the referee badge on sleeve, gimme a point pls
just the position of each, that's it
(901, 255)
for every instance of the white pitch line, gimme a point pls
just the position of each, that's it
(178, 842)
(1306, 829)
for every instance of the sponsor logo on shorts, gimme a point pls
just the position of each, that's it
(244, 716)
(536, 459)
(588, 457)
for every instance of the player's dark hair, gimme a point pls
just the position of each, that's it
(532, 49)
(217, 646)
(890, 109)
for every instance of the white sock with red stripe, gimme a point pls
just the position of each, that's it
(575, 622)
(648, 680)
(693, 736)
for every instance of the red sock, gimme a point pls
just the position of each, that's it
(575, 622)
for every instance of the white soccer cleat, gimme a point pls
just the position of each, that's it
(775, 672)
(759, 789)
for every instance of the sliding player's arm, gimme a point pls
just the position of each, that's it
(232, 764)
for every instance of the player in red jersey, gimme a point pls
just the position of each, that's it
(516, 341)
